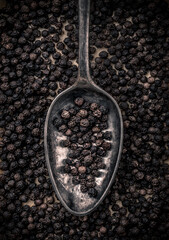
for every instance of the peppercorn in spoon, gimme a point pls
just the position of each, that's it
(83, 135)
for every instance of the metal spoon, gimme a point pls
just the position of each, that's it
(71, 197)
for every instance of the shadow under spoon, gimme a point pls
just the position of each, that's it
(71, 197)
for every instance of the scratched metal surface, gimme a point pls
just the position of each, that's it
(71, 196)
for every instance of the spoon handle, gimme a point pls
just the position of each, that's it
(84, 8)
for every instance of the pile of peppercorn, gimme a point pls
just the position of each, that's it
(129, 54)
(85, 126)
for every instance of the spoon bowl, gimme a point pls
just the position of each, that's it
(70, 195)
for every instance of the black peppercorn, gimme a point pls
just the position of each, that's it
(38, 62)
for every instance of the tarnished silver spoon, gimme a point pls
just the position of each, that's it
(71, 197)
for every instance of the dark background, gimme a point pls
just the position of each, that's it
(129, 57)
